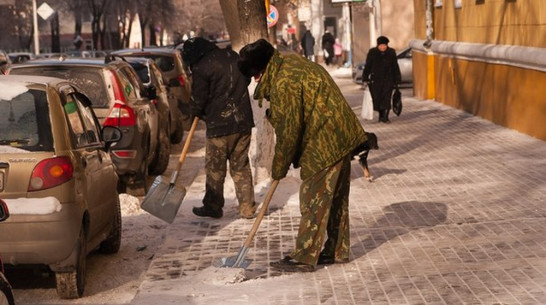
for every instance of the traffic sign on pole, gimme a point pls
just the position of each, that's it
(45, 11)
(273, 16)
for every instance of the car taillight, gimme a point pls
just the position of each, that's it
(182, 80)
(50, 173)
(121, 115)
(124, 154)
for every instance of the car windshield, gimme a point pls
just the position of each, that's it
(24, 123)
(89, 80)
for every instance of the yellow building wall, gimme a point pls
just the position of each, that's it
(510, 96)
(503, 94)
(495, 21)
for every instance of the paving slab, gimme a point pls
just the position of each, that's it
(456, 215)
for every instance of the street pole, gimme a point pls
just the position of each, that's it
(348, 32)
(375, 21)
(36, 33)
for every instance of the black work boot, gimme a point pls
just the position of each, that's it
(386, 116)
(205, 211)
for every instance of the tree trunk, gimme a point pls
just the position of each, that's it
(55, 39)
(78, 41)
(246, 23)
(231, 16)
(143, 24)
(153, 36)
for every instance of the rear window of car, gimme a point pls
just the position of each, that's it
(165, 63)
(90, 81)
(24, 123)
(142, 71)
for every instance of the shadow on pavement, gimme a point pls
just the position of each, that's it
(399, 219)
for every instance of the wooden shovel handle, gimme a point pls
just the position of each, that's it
(261, 214)
(187, 143)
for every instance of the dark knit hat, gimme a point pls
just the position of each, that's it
(195, 48)
(382, 40)
(254, 57)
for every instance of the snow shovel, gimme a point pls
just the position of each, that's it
(239, 261)
(164, 198)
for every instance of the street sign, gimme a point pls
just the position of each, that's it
(45, 11)
(273, 16)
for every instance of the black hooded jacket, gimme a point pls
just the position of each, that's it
(219, 90)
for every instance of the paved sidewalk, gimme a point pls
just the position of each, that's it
(456, 215)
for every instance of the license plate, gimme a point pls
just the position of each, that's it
(1, 181)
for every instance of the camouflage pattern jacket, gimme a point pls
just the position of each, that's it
(314, 125)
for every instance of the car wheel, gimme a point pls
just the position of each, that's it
(122, 185)
(6, 294)
(161, 160)
(112, 244)
(70, 285)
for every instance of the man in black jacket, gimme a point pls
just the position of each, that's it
(220, 97)
(382, 73)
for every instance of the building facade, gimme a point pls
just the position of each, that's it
(486, 57)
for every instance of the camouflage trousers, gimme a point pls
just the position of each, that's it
(219, 151)
(324, 207)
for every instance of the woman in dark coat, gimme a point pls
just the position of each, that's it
(382, 74)
(308, 45)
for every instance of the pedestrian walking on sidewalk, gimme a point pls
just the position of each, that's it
(328, 41)
(220, 97)
(382, 74)
(308, 45)
(316, 130)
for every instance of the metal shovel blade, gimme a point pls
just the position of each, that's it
(237, 261)
(163, 199)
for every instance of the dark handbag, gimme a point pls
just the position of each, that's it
(397, 102)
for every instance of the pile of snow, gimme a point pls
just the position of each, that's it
(130, 205)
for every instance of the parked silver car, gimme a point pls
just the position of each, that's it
(119, 99)
(405, 63)
(57, 179)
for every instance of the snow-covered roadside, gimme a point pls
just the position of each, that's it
(111, 279)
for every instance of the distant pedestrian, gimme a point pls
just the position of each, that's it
(382, 73)
(338, 52)
(316, 129)
(308, 45)
(294, 44)
(328, 41)
(220, 97)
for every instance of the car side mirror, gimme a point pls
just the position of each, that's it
(151, 92)
(4, 212)
(111, 135)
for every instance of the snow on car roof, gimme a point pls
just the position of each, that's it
(11, 90)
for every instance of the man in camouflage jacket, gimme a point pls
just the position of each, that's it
(316, 129)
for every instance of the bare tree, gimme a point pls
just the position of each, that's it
(16, 24)
(97, 8)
